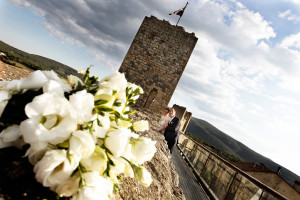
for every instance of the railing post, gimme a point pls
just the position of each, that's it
(201, 174)
(233, 178)
(262, 191)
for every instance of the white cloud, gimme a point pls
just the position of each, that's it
(288, 14)
(110, 63)
(285, 100)
(294, 1)
(292, 41)
(24, 4)
(61, 36)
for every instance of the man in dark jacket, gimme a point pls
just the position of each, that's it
(172, 130)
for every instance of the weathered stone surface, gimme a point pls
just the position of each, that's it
(165, 180)
(156, 60)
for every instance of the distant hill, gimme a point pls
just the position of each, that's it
(221, 140)
(34, 61)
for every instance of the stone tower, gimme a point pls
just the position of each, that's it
(156, 60)
(183, 115)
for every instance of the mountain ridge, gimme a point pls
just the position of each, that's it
(35, 62)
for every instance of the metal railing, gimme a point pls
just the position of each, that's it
(221, 179)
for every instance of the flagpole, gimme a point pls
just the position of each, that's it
(182, 13)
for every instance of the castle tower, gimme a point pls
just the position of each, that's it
(183, 115)
(156, 60)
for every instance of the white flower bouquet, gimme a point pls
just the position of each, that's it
(78, 133)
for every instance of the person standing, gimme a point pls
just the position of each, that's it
(172, 130)
(164, 120)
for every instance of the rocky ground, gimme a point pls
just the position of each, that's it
(9, 72)
(17, 179)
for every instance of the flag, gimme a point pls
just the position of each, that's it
(178, 12)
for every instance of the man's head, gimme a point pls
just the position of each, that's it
(172, 112)
(166, 111)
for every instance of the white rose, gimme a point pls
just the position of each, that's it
(96, 187)
(81, 144)
(74, 81)
(110, 99)
(83, 104)
(117, 140)
(68, 187)
(54, 168)
(36, 151)
(143, 149)
(97, 161)
(53, 87)
(142, 175)
(132, 87)
(127, 152)
(34, 81)
(51, 119)
(9, 135)
(120, 108)
(119, 165)
(116, 81)
(142, 125)
(101, 129)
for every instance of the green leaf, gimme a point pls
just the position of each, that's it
(129, 112)
(126, 119)
(64, 144)
(99, 123)
(103, 108)
(117, 114)
(130, 103)
(100, 102)
(117, 104)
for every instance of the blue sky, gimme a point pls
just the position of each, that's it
(243, 76)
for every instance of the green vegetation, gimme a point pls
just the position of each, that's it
(219, 152)
(20, 58)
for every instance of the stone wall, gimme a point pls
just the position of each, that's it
(165, 179)
(156, 60)
(183, 115)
